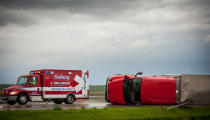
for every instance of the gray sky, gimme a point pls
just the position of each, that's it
(104, 36)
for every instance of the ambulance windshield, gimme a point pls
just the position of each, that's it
(22, 81)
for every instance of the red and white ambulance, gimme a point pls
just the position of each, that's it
(49, 84)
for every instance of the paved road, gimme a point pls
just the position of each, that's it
(92, 102)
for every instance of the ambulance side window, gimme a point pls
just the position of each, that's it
(33, 80)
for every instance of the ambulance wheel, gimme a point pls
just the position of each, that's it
(70, 99)
(11, 102)
(22, 99)
(58, 101)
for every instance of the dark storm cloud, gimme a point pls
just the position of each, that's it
(199, 8)
(107, 5)
(75, 5)
(7, 16)
(164, 36)
(11, 10)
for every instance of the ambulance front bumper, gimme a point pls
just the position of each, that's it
(9, 98)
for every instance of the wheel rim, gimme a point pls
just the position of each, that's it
(22, 99)
(70, 99)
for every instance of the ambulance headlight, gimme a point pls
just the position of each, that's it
(13, 93)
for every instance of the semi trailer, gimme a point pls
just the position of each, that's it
(49, 85)
(158, 89)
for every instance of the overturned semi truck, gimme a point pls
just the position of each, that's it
(158, 89)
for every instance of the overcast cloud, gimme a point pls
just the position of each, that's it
(104, 36)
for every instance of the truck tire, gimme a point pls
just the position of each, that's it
(70, 99)
(22, 99)
(58, 101)
(11, 102)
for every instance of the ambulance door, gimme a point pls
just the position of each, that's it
(35, 86)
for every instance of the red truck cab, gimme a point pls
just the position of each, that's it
(19, 92)
(129, 89)
(49, 84)
(114, 89)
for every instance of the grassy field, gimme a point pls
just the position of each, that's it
(2, 86)
(95, 90)
(144, 113)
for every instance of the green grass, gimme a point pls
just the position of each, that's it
(97, 87)
(2, 86)
(144, 113)
(97, 90)
(97, 93)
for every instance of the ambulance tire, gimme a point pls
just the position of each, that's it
(11, 102)
(58, 101)
(70, 99)
(22, 99)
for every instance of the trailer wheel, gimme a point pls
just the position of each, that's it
(70, 99)
(11, 102)
(58, 101)
(22, 99)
